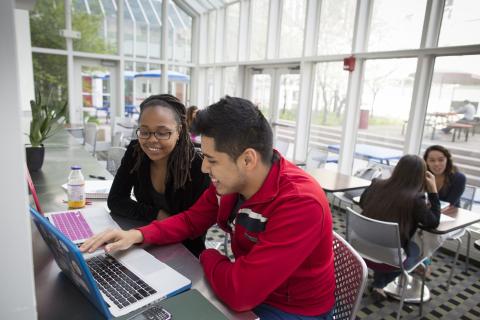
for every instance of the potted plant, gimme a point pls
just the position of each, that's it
(47, 118)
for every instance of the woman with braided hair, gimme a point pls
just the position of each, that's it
(162, 167)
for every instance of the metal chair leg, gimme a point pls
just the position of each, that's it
(420, 310)
(469, 239)
(454, 262)
(403, 280)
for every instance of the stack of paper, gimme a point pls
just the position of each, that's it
(96, 189)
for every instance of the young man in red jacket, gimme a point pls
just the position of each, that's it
(278, 218)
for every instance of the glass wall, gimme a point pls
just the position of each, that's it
(384, 108)
(455, 84)
(396, 25)
(128, 30)
(97, 23)
(140, 25)
(232, 20)
(50, 75)
(336, 26)
(259, 25)
(261, 86)
(153, 11)
(46, 21)
(288, 96)
(178, 83)
(386, 96)
(329, 102)
(210, 86)
(212, 22)
(179, 34)
(230, 81)
(460, 19)
(292, 28)
(453, 113)
(129, 84)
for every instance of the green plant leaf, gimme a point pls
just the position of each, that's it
(47, 118)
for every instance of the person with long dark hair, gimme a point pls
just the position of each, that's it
(191, 113)
(162, 167)
(401, 199)
(449, 181)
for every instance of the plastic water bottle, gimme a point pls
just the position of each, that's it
(76, 188)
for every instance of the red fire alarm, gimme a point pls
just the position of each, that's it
(349, 64)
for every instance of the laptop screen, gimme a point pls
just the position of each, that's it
(70, 260)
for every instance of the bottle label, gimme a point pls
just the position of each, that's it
(76, 196)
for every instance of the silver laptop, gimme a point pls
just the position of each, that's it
(118, 283)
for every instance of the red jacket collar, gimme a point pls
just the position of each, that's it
(270, 186)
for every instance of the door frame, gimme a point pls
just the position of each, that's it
(76, 113)
(275, 72)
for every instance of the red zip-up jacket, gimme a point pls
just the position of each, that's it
(282, 243)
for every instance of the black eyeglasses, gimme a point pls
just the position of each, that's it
(145, 134)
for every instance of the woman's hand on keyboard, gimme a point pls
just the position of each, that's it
(113, 240)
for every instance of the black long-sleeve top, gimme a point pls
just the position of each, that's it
(148, 200)
(424, 215)
(453, 190)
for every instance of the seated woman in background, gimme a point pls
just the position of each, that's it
(191, 113)
(401, 199)
(162, 167)
(449, 181)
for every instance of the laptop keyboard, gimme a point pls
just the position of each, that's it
(72, 224)
(118, 283)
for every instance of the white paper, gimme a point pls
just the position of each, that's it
(445, 218)
(95, 188)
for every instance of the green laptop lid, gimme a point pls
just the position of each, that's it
(192, 305)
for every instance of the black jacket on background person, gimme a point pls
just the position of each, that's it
(147, 202)
(425, 215)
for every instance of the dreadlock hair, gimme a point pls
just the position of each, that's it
(181, 157)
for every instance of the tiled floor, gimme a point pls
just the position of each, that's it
(461, 302)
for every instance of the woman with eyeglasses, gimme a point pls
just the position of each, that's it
(161, 166)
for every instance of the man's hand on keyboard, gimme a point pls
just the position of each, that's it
(115, 239)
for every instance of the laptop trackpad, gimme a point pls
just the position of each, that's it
(139, 261)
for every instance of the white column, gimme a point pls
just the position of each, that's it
(217, 84)
(24, 50)
(120, 106)
(219, 37)
(163, 48)
(244, 26)
(239, 88)
(17, 297)
(195, 60)
(307, 81)
(355, 81)
(305, 101)
(200, 31)
(75, 110)
(273, 29)
(350, 124)
(423, 77)
(312, 25)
